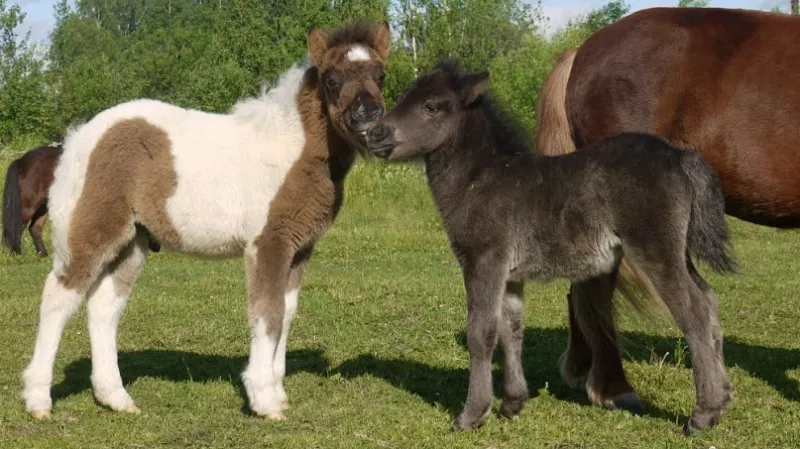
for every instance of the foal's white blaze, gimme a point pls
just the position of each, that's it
(358, 53)
(58, 306)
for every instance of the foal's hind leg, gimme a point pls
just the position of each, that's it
(509, 330)
(59, 303)
(697, 319)
(62, 295)
(105, 305)
(606, 383)
(36, 228)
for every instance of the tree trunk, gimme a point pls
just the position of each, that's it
(795, 8)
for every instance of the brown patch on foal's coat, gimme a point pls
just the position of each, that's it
(129, 179)
(312, 193)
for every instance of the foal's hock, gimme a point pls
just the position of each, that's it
(512, 216)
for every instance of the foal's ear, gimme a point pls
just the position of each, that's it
(473, 86)
(382, 40)
(317, 45)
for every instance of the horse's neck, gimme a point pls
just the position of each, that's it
(324, 146)
(454, 167)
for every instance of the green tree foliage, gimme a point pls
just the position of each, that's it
(207, 54)
(693, 3)
(24, 93)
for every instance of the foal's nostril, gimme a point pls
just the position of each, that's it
(378, 133)
(366, 112)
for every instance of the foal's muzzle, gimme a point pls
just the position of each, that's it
(379, 141)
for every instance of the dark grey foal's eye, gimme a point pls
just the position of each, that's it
(331, 82)
(431, 108)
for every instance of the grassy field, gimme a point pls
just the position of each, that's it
(377, 354)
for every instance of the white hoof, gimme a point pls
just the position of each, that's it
(273, 416)
(41, 415)
(118, 400)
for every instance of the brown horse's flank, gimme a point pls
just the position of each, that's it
(130, 169)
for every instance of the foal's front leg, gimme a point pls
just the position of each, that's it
(268, 264)
(485, 280)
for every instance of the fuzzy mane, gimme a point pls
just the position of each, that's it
(356, 32)
(274, 104)
(507, 134)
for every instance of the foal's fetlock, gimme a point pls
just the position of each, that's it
(37, 397)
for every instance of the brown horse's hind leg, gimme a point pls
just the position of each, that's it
(510, 329)
(36, 228)
(577, 359)
(606, 383)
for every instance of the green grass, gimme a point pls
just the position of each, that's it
(376, 354)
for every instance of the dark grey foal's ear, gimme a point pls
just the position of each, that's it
(473, 86)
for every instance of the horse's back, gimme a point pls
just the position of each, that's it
(713, 80)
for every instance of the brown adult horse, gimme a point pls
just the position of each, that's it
(28, 179)
(714, 80)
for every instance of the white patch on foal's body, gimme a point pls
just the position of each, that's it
(229, 167)
(358, 53)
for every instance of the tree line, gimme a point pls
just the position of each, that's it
(207, 54)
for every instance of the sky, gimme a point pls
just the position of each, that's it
(40, 22)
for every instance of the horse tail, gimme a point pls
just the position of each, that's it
(553, 135)
(12, 210)
(708, 236)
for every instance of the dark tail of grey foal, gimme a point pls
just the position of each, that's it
(708, 237)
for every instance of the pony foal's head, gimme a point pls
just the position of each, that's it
(427, 114)
(350, 66)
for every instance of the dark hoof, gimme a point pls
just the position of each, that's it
(629, 402)
(464, 423)
(511, 407)
(697, 424)
(42, 254)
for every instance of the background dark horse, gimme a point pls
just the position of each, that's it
(28, 180)
(722, 82)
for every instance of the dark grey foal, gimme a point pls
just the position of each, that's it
(512, 216)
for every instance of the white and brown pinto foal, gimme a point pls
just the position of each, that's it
(264, 181)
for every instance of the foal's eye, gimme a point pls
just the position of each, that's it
(431, 108)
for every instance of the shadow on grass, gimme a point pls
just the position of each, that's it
(441, 387)
(179, 366)
(447, 387)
